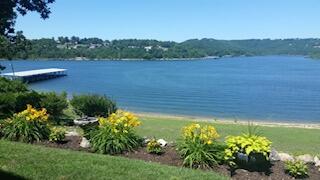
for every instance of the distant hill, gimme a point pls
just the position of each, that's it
(95, 48)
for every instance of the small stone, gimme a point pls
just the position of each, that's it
(146, 140)
(316, 161)
(162, 142)
(307, 158)
(285, 157)
(72, 133)
(241, 171)
(274, 155)
(84, 143)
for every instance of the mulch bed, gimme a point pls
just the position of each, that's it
(70, 142)
(172, 158)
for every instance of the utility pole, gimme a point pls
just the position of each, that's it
(12, 69)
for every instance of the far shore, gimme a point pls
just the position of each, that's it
(153, 59)
(270, 123)
(123, 59)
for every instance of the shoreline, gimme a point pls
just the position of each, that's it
(227, 121)
(155, 59)
(123, 59)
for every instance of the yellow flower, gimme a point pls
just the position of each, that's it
(102, 121)
(120, 121)
(206, 134)
(31, 114)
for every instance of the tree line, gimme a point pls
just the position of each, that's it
(96, 48)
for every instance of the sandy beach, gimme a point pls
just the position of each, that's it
(228, 121)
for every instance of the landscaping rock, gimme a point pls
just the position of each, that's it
(84, 143)
(85, 120)
(285, 157)
(72, 133)
(162, 142)
(307, 158)
(242, 171)
(316, 161)
(146, 140)
(274, 155)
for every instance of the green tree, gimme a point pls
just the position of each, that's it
(54, 104)
(14, 47)
(9, 10)
(5, 47)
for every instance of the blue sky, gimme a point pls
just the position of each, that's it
(176, 20)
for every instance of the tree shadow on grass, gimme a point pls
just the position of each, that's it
(10, 176)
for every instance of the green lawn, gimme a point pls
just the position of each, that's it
(36, 162)
(292, 140)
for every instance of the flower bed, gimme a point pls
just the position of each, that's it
(198, 147)
(171, 157)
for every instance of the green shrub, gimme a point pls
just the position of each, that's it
(27, 126)
(7, 105)
(93, 105)
(23, 98)
(199, 147)
(116, 134)
(57, 134)
(154, 147)
(297, 169)
(12, 86)
(8, 92)
(54, 104)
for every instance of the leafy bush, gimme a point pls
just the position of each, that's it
(255, 148)
(116, 134)
(15, 95)
(93, 105)
(8, 92)
(55, 104)
(7, 105)
(27, 126)
(154, 147)
(199, 147)
(297, 169)
(12, 86)
(23, 98)
(57, 134)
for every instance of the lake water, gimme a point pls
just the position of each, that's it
(272, 88)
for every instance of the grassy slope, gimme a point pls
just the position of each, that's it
(35, 162)
(292, 140)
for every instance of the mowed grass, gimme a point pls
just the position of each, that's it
(36, 162)
(286, 139)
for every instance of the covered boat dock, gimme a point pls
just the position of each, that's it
(36, 75)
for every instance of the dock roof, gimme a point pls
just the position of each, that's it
(34, 72)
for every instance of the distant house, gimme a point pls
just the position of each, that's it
(61, 46)
(93, 46)
(79, 46)
(148, 48)
(162, 48)
(132, 47)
